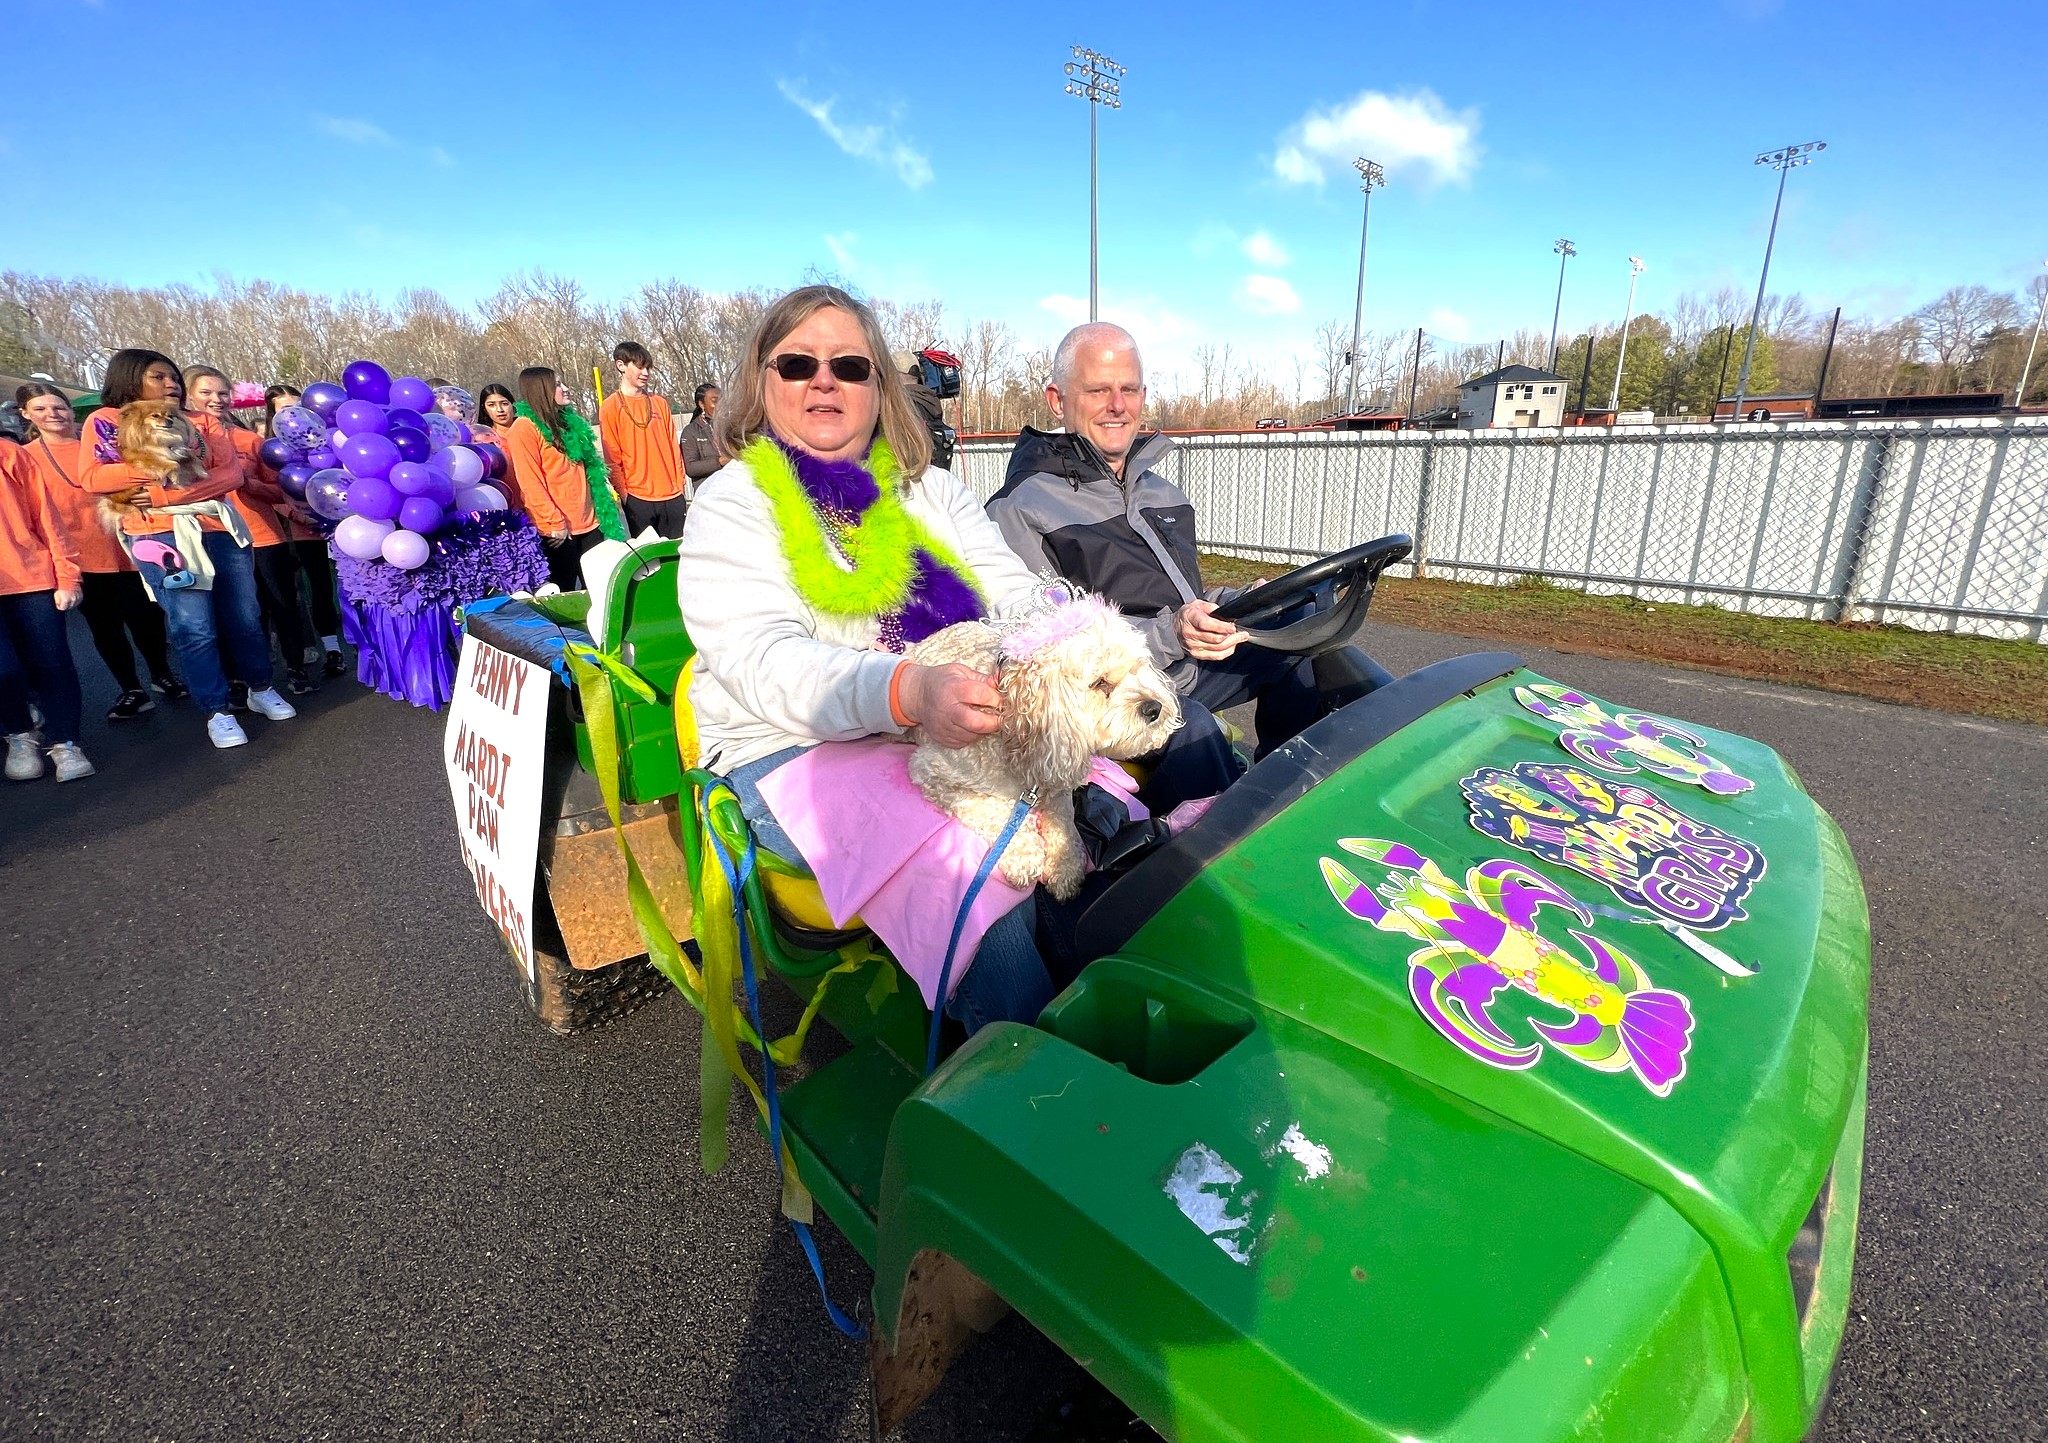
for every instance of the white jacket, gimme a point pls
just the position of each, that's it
(771, 673)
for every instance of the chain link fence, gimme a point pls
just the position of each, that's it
(1941, 525)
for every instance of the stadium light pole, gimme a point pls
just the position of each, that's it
(1565, 251)
(1635, 268)
(2019, 397)
(1096, 79)
(1782, 161)
(1369, 176)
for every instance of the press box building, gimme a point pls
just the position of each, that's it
(1511, 396)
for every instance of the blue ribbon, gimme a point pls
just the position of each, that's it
(988, 864)
(736, 879)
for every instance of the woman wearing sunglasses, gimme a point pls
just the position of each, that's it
(813, 558)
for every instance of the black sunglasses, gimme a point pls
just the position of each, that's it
(853, 370)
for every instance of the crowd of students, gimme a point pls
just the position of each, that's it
(216, 570)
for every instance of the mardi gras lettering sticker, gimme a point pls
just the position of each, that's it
(1650, 854)
(1480, 937)
(1623, 742)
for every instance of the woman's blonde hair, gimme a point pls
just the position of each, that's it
(743, 410)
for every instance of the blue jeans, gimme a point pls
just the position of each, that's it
(203, 622)
(1008, 981)
(35, 660)
(1285, 686)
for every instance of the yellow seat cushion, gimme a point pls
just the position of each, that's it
(799, 899)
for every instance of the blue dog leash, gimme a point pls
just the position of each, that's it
(988, 864)
(736, 879)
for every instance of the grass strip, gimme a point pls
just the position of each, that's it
(2007, 680)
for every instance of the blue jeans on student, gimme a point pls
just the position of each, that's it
(1008, 981)
(203, 622)
(1284, 685)
(35, 661)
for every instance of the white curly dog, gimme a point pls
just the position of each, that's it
(1077, 682)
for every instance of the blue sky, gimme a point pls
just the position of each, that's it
(928, 151)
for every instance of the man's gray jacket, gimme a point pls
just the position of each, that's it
(1130, 538)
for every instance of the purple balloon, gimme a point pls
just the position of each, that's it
(479, 498)
(360, 537)
(410, 478)
(412, 393)
(321, 398)
(277, 453)
(298, 427)
(335, 436)
(421, 514)
(367, 381)
(465, 467)
(361, 417)
(442, 432)
(412, 445)
(405, 550)
(372, 497)
(327, 493)
(494, 497)
(439, 461)
(293, 476)
(404, 416)
(441, 492)
(322, 458)
(369, 455)
(494, 458)
(463, 433)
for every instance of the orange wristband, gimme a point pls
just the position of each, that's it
(895, 693)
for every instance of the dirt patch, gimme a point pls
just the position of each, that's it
(2003, 679)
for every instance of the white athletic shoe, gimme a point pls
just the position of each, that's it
(270, 704)
(224, 731)
(24, 757)
(71, 762)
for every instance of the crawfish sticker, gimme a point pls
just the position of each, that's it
(1627, 741)
(1650, 854)
(1479, 938)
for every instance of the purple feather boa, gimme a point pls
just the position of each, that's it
(939, 596)
(484, 554)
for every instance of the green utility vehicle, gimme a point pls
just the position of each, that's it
(1487, 1065)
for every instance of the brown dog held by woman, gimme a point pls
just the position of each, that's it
(157, 439)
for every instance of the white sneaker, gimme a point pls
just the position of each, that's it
(224, 731)
(24, 757)
(268, 703)
(71, 762)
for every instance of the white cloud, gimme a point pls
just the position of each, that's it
(1267, 296)
(353, 130)
(1262, 250)
(1070, 309)
(841, 247)
(877, 143)
(1445, 322)
(1415, 132)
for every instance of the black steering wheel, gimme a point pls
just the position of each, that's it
(1350, 575)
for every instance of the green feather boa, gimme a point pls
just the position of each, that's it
(881, 548)
(579, 443)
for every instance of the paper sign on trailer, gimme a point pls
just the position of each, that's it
(497, 732)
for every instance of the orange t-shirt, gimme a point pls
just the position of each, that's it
(101, 470)
(552, 488)
(638, 434)
(77, 508)
(35, 550)
(260, 496)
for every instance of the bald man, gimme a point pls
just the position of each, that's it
(1086, 502)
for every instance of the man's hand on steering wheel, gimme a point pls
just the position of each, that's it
(1205, 637)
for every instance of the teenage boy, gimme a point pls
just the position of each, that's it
(638, 434)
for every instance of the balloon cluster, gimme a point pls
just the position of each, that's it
(376, 458)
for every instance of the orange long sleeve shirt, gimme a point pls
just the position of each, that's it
(36, 553)
(638, 434)
(259, 497)
(77, 508)
(552, 488)
(102, 470)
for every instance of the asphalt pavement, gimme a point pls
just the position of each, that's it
(283, 1155)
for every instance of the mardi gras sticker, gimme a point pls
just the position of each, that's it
(1481, 937)
(1650, 854)
(1623, 742)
